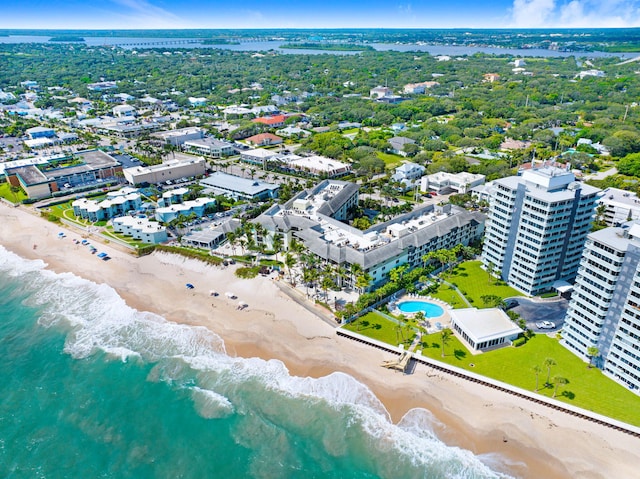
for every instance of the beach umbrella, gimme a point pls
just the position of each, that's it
(229, 295)
(189, 286)
(213, 292)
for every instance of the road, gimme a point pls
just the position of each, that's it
(536, 310)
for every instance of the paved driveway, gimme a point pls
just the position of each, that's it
(533, 311)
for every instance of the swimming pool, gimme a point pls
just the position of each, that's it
(430, 310)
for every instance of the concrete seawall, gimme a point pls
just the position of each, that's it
(504, 387)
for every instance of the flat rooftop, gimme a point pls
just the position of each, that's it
(30, 175)
(484, 324)
(226, 182)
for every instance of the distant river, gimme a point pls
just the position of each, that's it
(449, 50)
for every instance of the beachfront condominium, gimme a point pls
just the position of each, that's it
(604, 312)
(317, 218)
(537, 226)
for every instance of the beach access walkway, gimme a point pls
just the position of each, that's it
(399, 364)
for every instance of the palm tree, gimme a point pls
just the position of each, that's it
(290, 261)
(363, 281)
(356, 270)
(491, 268)
(277, 243)
(537, 370)
(243, 244)
(549, 363)
(559, 381)
(327, 282)
(593, 352)
(399, 333)
(446, 337)
(232, 237)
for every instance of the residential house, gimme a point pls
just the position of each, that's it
(264, 139)
(397, 144)
(417, 88)
(380, 92)
(491, 77)
(276, 121)
(408, 173)
(102, 86)
(197, 101)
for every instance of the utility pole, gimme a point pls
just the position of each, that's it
(626, 111)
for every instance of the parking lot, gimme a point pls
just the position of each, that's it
(535, 311)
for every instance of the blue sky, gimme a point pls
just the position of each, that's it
(130, 14)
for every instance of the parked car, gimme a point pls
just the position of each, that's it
(510, 303)
(545, 325)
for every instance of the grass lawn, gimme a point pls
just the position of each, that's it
(6, 193)
(376, 326)
(391, 161)
(587, 388)
(474, 282)
(450, 296)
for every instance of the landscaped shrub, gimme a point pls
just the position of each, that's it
(248, 272)
(519, 341)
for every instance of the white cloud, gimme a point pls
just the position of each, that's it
(532, 13)
(575, 13)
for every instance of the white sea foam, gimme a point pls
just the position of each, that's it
(210, 404)
(337, 410)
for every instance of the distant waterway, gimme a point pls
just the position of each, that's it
(274, 45)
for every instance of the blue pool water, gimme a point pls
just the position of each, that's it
(430, 310)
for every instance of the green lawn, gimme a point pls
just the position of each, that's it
(474, 282)
(450, 296)
(65, 210)
(587, 388)
(376, 326)
(6, 193)
(391, 161)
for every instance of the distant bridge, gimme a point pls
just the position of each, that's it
(158, 43)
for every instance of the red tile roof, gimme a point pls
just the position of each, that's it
(271, 120)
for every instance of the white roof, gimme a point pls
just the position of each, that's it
(259, 153)
(484, 324)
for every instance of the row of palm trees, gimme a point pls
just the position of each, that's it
(314, 272)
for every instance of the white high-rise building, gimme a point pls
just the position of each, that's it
(537, 226)
(605, 306)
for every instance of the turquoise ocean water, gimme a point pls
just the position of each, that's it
(90, 388)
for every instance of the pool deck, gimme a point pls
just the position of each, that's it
(431, 324)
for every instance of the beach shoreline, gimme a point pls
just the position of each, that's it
(531, 439)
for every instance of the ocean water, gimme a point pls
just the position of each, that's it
(94, 389)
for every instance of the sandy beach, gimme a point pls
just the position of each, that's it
(530, 439)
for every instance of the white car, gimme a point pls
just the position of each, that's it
(545, 325)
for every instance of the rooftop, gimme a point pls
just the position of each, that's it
(224, 181)
(484, 324)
